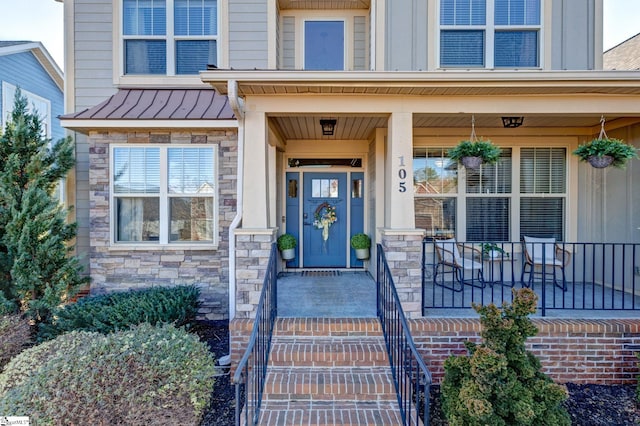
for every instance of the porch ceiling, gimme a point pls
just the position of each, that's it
(590, 86)
(349, 127)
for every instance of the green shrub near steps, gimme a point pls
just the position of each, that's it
(148, 375)
(500, 382)
(119, 311)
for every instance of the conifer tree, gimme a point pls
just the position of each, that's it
(37, 272)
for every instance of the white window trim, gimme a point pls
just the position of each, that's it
(164, 202)
(302, 16)
(515, 195)
(8, 93)
(142, 80)
(489, 32)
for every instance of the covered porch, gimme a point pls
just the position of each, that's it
(398, 127)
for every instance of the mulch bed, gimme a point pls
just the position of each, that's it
(588, 405)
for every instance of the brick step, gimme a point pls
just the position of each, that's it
(325, 413)
(321, 384)
(330, 327)
(328, 352)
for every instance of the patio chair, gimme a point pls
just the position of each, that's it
(465, 270)
(542, 254)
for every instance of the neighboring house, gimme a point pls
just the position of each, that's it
(28, 66)
(199, 139)
(624, 56)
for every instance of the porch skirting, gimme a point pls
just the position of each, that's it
(577, 350)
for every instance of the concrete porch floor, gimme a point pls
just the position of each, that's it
(326, 294)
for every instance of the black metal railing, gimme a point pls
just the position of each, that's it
(565, 276)
(410, 374)
(250, 374)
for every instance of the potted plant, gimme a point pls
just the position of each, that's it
(472, 153)
(361, 244)
(602, 152)
(287, 246)
(493, 251)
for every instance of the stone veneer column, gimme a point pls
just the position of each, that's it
(403, 250)
(253, 247)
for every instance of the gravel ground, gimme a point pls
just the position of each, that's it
(588, 405)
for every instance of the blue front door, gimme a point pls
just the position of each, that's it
(325, 220)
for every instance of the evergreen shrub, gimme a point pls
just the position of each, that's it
(148, 375)
(119, 311)
(500, 382)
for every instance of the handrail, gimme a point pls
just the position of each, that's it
(252, 368)
(577, 276)
(411, 376)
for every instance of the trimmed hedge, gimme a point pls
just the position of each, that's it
(148, 375)
(119, 311)
(15, 336)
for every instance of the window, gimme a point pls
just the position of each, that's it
(35, 104)
(435, 183)
(163, 195)
(472, 36)
(483, 206)
(543, 192)
(169, 37)
(324, 45)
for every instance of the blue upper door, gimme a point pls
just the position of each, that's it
(325, 220)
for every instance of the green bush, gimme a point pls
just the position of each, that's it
(148, 375)
(286, 242)
(119, 311)
(15, 336)
(500, 382)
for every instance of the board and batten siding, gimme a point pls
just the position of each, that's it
(248, 34)
(23, 70)
(406, 36)
(93, 83)
(573, 33)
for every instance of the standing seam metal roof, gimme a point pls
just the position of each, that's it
(159, 104)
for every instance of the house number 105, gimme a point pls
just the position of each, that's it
(402, 174)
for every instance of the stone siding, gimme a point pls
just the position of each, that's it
(121, 268)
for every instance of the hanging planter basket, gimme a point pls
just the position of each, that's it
(474, 152)
(600, 161)
(473, 163)
(603, 151)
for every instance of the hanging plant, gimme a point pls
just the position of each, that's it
(324, 217)
(474, 152)
(603, 151)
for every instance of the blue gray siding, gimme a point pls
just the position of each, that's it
(23, 70)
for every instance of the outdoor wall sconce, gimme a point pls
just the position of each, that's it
(512, 122)
(328, 126)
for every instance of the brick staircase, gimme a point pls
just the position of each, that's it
(327, 371)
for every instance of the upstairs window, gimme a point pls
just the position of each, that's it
(169, 37)
(324, 45)
(490, 33)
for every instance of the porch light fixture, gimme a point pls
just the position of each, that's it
(512, 122)
(328, 126)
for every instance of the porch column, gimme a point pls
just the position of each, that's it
(399, 209)
(401, 241)
(256, 180)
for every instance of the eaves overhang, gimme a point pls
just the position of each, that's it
(424, 83)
